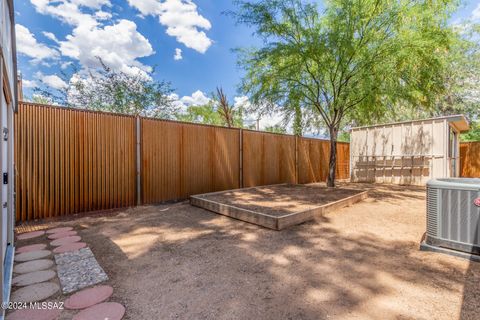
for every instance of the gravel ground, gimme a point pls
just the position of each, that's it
(279, 200)
(360, 262)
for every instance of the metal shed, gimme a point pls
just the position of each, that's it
(410, 152)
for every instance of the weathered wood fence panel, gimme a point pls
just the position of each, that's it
(470, 159)
(267, 158)
(313, 158)
(70, 161)
(181, 159)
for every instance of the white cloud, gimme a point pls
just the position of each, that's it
(93, 4)
(476, 13)
(52, 81)
(118, 45)
(103, 15)
(67, 11)
(28, 45)
(266, 120)
(65, 65)
(178, 54)
(242, 102)
(197, 98)
(29, 83)
(50, 36)
(182, 20)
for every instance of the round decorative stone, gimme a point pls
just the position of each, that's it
(105, 310)
(59, 230)
(70, 247)
(62, 241)
(37, 314)
(35, 292)
(59, 235)
(32, 247)
(27, 279)
(31, 266)
(30, 235)
(88, 297)
(32, 255)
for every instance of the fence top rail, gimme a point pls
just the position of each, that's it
(322, 139)
(188, 123)
(109, 113)
(49, 106)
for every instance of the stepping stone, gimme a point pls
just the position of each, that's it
(59, 235)
(33, 277)
(35, 292)
(88, 297)
(31, 266)
(59, 230)
(78, 269)
(30, 235)
(71, 257)
(32, 247)
(62, 241)
(106, 310)
(37, 314)
(70, 247)
(32, 255)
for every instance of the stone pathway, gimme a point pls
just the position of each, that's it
(37, 278)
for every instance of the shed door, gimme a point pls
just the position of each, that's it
(4, 162)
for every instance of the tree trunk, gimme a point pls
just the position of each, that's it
(297, 121)
(332, 164)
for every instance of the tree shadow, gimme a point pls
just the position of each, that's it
(177, 261)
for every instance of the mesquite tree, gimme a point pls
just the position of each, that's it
(349, 58)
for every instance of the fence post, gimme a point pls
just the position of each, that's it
(241, 158)
(296, 159)
(138, 160)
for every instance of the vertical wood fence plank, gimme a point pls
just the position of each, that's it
(70, 161)
(470, 159)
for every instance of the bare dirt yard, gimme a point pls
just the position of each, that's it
(360, 262)
(282, 199)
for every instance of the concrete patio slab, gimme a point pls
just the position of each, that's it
(59, 230)
(32, 255)
(70, 247)
(30, 235)
(88, 297)
(59, 235)
(31, 266)
(106, 310)
(62, 241)
(32, 247)
(34, 314)
(33, 277)
(35, 292)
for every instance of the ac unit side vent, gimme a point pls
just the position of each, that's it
(432, 211)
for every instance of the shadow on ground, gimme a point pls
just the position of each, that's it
(361, 262)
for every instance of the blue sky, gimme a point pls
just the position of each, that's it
(133, 35)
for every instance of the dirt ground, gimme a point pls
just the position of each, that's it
(282, 199)
(360, 262)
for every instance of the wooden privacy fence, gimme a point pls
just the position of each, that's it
(470, 159)
(71, 161)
